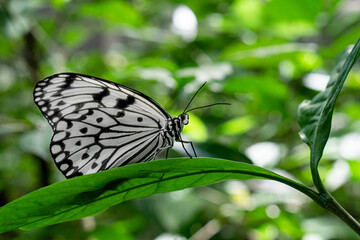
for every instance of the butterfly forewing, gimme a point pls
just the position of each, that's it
(65, 93)
(98, 124)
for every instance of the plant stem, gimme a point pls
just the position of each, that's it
(325, 200)
(317, 181)
(329, 203)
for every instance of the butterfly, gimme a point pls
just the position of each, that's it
(99, 124)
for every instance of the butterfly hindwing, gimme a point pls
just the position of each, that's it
(81, 146)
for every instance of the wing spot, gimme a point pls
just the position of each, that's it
(44, 109)
(84, 130)
(70, 172)
(84, 156)
(139, 119)
(94, 165)
(41, 103)
(99, 96)
(37, 89)
(78, 143)
(99, 120)
(82, 117)
(60, 103)
(69, 124)
(130, 100)
(55, 149)
(121, 103)
(64, 166)
(60, 135)
(120, 114)
(60, 157)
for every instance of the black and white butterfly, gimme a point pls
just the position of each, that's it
(99, 125)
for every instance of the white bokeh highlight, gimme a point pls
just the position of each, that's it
(264, 154)
(349, 146)
(184, 23)
(316, 81)
(338, 175)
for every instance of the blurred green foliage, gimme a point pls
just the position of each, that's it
(258, 55)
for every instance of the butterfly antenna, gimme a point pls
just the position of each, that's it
(207, 106)
(194, 96)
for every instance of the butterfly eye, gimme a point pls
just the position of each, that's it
(184, 118)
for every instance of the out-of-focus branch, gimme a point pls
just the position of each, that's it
(31, 55)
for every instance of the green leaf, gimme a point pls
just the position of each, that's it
(237, 125)
(259, 86)
(315, 116)
(91, 194)
(113, 11)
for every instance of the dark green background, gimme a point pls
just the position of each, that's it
(254, 54)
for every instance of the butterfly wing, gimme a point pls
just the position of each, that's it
(64, 93)
(98, 124)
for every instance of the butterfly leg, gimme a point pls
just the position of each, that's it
(192, 146)
(167, 152)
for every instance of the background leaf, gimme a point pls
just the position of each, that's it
(315, 116)
(114, 11)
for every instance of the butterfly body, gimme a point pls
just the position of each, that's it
(99, 125)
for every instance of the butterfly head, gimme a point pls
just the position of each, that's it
(184, 117)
